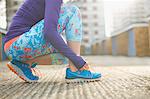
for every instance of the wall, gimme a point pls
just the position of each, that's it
(108, 46)
(122, 44)
(142, 41)
(149, 37)
(131, 43)
(2, 54)
(96, 49)
(0, 46)
(134, 42)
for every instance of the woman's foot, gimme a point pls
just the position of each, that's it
(23, 70)
(84, 73)
(74, 69)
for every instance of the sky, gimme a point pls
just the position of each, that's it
(109, 7)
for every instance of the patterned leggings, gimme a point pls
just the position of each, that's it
(32, 43)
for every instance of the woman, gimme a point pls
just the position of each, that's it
(35, 33)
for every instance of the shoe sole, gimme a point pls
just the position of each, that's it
(81, 80)
(19, 73)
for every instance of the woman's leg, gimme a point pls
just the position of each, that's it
(74, 33)
(73, 29)
(75, 46)
(31, 46)
(70, 20)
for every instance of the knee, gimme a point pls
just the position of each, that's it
(74, 9)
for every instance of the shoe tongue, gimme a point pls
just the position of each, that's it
(33, 65)
(86, 71)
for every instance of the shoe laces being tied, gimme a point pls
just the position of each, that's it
(87, 68)
(35, 70)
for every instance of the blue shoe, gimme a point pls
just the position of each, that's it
(79, 75)
(23, 70)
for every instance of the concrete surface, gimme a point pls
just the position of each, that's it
(129, 81)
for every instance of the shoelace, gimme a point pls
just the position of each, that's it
(35, 70)
(90, 69)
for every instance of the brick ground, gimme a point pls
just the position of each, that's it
(117, 82)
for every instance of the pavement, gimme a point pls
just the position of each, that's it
(122, 78)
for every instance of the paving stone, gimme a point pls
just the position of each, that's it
(117, 82)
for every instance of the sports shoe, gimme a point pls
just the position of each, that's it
(23, 70)
(81, 75)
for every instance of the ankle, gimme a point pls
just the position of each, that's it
(72, 68)
(85, 67)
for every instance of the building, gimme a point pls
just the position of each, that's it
(92, 12)
(130, 35)
(12, 6)
(2, 27)
(129, 15)
(3, 14)
(2, 54)
(147, 8)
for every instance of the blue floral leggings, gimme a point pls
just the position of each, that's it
(32, 43)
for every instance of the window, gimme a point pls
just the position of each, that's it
(85, 32)
(14, 11)
(94, 8)
(84, 16)
(96, 32)
(86, 40)
(95, 16)
(96, 24)
(85, 24)
(15, 3)
(84, 8)
(84, 0)
(94, 0)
